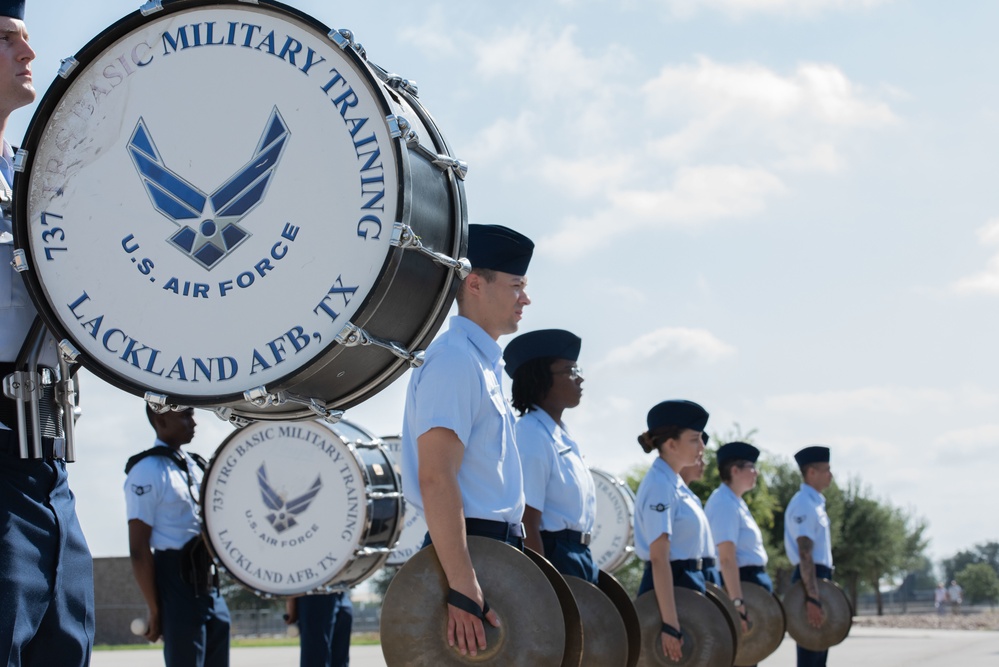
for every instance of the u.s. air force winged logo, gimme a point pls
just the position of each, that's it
(284, 512)
(209, 228)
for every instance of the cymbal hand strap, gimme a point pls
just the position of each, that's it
(467, 604)
(672, 632)
(815, 601)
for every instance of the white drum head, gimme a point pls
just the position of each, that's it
(612, 539)
(284, 506)
(414, 528)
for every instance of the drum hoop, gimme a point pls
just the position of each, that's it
(36, 290)
(206, 532)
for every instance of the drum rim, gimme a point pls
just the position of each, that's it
(627, 553)
(328, 584)
(49, 103)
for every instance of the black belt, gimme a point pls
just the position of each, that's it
(52, 448)
(571, 535)
(752, 569)
(707, 562)
(496, 529)
(692, 564)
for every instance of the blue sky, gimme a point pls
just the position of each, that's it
(782, 209)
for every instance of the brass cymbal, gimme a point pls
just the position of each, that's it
(615, 591)
(414, 612)
(707, 640)
(835, 604)
(572, 655)
(767, 625)
(717, 594)
(605, 639)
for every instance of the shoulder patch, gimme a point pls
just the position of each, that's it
(141, 490)
(658, 507)
(799, 519)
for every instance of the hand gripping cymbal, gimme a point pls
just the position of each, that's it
(707, 640)
(573, 623)
(414, 612)
(626, 608)
(835, 604)
(767, 625)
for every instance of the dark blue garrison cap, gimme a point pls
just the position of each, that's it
(737, 451)
(499, 249)
(813, 454)
(557, 343)
(686, 414)
(12, 8)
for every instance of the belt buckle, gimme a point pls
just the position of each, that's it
(699, 564)
(584, 539)
(59, 448)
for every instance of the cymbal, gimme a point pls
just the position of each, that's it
(605, 639)
(835, 604)
(414, 612)
(718, 595)
(573, 645)
(767, 625)
(707, 640)
(615, 591)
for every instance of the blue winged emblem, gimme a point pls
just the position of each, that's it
(283, 513)
(209, 224)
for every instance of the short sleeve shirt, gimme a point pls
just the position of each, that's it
(556, 480)
(158, 495)
(806, 516)
(459, 388)
(731, 521)
(664, 505)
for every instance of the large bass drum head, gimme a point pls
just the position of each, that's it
(206, 200)
(612, 540)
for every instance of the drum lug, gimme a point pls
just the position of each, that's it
(352, 336)
(398, 126)
(405, 85)
(68, 351)
(404, 237)
(344, 38)
(20, 159)
(158, 403)
(227, 415)
(66, 67)
(151, 7)
(260, 397)
(446, 162)
(19, 261)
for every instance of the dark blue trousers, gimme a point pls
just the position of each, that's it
(682, 576)
(756, 575)
(325, 622)
(46, 573)
(712, 575)
(808, 658)
(195, 627)
(570, 557)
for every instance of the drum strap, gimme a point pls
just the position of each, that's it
(170, 453)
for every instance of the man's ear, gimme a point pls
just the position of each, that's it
(473, 283)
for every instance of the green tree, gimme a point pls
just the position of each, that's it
(980, 583)
(987, 552)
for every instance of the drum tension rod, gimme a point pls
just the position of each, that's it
(262, 398)
(404, 237)
(227, 415)
(399, 126)
(352, 336)
(158, 403)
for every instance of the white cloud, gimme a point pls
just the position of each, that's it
(666, 348)
(986, 281)
(887, 400)
(741, 8)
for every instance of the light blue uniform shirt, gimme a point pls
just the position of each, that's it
(806, 516)
(157, 494)
(666, 506)
(458, 388)
(731, 521)
(556, 480)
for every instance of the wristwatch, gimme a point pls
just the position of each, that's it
(738, 602)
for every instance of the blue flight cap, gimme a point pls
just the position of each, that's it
(499, 249)
(556, 343)
(737, 451)
(686, 414)
(813, 454)
(12, 8)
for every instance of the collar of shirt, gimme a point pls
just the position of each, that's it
(663, 468)
(726, 489)
(488, 347)
(555, 429)
(813, 495)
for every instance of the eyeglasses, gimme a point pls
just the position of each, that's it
(574, 373)
(747, 465)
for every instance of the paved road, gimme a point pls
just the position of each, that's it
(864, 646)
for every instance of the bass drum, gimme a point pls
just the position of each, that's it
(414, 525)
(612, 540)
(300, 507)
(225, 204)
